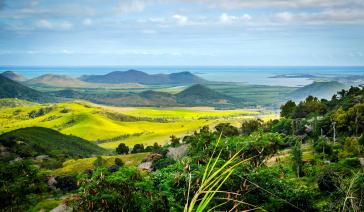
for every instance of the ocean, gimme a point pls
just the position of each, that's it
(249, 75)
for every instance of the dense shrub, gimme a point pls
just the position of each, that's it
(21, 185)
(327, 180)
(122, 149)
(138, 148)
(66, 182)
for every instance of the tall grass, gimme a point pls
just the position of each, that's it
(213, 178)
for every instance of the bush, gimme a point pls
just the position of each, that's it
(124, 190)
(138, 148)
(122, 149)
(21, 183)
(227, 129)
(99, 162)
(327, 180)
(250, 126)
(162, 163)
(174, 141)
(119, 162)
(113, 168)
(351, 162)
(66, 182)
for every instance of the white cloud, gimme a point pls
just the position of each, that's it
(130, 6)
(180, 19)
(87, 22)
(46, 24)
(236, 4)
(285, 16)
(228, 19)
(324, 16)
(65, 25)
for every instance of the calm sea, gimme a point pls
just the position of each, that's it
(249, 75)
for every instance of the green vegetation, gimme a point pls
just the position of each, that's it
(74, 166)
(202, 95)
(11, 103)
(13, 89)
(310, 159)
(110, 126)
(34, 141)
(319, 89)
(254, 95)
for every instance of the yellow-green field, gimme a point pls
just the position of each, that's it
(80, 165)
(89, 121)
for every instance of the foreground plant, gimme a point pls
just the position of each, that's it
(213, 178)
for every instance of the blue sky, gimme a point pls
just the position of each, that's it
(182, 32)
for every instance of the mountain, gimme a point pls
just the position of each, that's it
(133, 76)
(34, 141)
(13, 76)
(202, 95)
(322, 90)
(196, 95)
(13, 89)
(55, 80)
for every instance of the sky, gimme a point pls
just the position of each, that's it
(182, 32)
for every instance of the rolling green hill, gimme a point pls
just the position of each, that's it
(33, 141)
(318, 89)
(108, 126)
(13, 89)
(202, 95)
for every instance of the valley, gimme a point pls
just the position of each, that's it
(108, 126)
(84, 142)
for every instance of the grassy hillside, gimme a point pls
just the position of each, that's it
(108, 126)
(78, 166)
(262, 95)
(9, 102)
(323, 90)
(202, 95)
(12, 89)
(33, 141)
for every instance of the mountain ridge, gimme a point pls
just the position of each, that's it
(135, 76)
(13, 76)
(322, 90)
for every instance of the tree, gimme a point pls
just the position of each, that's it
(227, 129)
(356, 116)
(288, 109)
(174, 141)
(296, 154)
(122, 149)
(155, 148)
(250, 126)
(138, 148)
